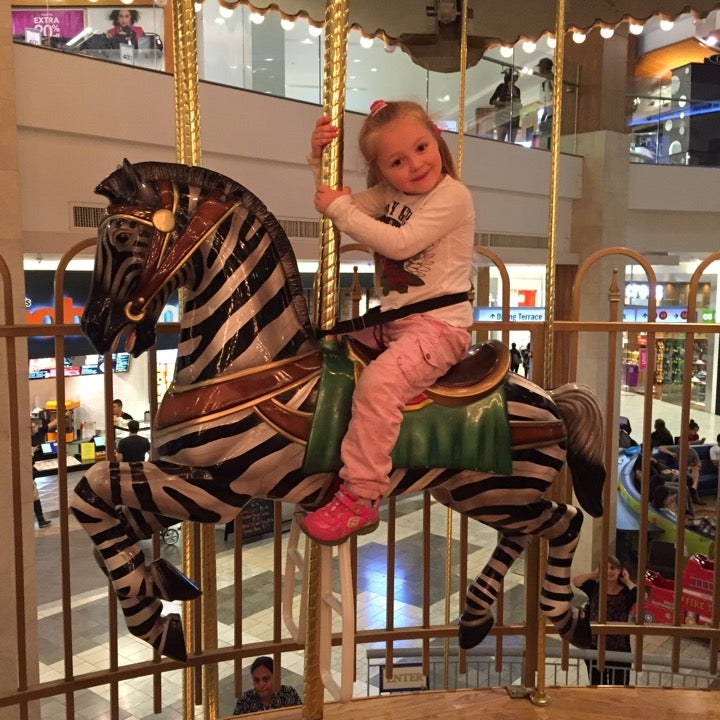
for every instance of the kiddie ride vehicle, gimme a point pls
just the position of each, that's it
(696, 599)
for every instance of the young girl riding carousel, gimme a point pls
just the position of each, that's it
(419, 220)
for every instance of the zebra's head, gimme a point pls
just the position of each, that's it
(159, 215)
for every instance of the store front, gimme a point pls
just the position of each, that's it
(670, 353)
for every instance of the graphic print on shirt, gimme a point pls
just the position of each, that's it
(399, 275)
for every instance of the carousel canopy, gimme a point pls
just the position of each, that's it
(505, 21)
(430, 31)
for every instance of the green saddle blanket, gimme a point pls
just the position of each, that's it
(472, 437)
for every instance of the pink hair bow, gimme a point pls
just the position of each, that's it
(377, 105)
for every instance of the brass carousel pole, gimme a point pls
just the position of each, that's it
(326, 298)
(187, 140)
(539, 696)
(460, 138)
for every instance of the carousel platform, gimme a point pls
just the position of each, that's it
(563, 703)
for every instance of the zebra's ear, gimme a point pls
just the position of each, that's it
(126, 185)
(141, 192)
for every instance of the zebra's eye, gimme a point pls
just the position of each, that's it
(127, 235)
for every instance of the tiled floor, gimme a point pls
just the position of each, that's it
(90, 644)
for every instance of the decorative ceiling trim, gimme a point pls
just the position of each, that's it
(491, 21)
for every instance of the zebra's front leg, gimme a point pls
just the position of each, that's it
(477, 619)
(97, 504)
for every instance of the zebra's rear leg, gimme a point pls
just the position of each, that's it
(123, 560)
(556, 594)
(144, 620)
(477, 619)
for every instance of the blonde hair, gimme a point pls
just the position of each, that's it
(393, 110)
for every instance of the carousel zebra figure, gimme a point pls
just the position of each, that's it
(257, 404)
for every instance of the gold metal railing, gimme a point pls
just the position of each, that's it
(118, 673)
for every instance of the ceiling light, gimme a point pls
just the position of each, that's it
(666, 25)
(286, 24)
(366, 42)
(257, 18)
(224, 12)
(126, 2)
(607, 32)
(389, 48)
(578, 37)
(635, 28)
(198, 7)
(551, 41)
(315, 31)
(506, 51)
(529, 46)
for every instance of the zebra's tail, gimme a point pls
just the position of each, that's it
(579, 408)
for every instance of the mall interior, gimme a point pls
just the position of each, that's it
(639, 142)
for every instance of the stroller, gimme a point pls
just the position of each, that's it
(170, 535)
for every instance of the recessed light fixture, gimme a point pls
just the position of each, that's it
(529, 46)
(667, 25)
(286, 24)
(366, 42)
(607, 32)
(257, 18)
(506, 50)
(578, 37)
(315, 31)
(635, 28)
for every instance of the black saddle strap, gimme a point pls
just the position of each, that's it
(375, 316)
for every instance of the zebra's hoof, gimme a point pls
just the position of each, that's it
(472, 632)
(171, 584)
(172, 644)
(580, 633)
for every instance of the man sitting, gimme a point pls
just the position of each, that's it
(134, 447)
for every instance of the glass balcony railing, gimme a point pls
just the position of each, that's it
(270, 55)
(677, 129)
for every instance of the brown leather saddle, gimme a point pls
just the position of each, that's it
(481, 371)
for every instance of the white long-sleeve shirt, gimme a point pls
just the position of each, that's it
(423, 243)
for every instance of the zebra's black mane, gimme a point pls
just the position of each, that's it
(120, 187)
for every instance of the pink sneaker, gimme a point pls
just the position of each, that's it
(340, 519)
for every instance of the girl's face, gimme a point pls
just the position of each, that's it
(408, 156)
(124, 18)
(613, 573)
(263, 683)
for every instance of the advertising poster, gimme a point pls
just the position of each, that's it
(48, 22)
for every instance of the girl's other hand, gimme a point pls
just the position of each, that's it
(323, 133)
(324, 196)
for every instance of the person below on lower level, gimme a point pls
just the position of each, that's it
(42, 521)
(134, 447)
(263, 695)
(621, 596)
(693, 469)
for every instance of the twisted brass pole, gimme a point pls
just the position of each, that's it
(540, 697)
(187, 150)
(326, 298)
(460, 145)
(552, 211)
(336, 30)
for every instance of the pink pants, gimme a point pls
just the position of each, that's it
(419, 350)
